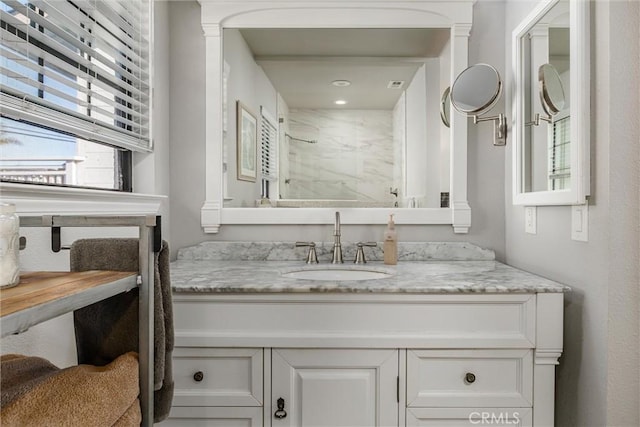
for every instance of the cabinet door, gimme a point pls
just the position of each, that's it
(207, 416)
(468, 417)
(335, 387)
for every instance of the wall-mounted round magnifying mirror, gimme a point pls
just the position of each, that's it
(551, 90)
(475, 91)
(445, 106)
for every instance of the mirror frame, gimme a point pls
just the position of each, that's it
(445, 107)
(548, 105)
(480, 110)
(219, 14)
(580, 98)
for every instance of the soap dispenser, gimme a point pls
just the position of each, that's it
(390, 244)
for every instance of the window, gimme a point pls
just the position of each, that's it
(268, 144)
(560, 154)
(34, 155)
(75, 90)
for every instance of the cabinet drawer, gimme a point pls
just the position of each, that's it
(203, 416)
(469, 378)
(343, 320)
(466, 417)
(217, 376)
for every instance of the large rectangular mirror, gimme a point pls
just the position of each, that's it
(349, 117)
(387, 152)
(551, 59)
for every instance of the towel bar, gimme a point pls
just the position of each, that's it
(56, 239)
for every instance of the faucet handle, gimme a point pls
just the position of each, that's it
(360, 259)
(312, 257)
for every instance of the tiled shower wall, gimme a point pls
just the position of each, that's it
(353, 158)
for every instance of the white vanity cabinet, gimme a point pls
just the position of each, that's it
(366, 359)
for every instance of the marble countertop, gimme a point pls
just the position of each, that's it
(418, 277)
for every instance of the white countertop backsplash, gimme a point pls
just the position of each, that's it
(433, 267)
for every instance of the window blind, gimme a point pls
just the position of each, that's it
(269, 138)
(559, 157)
(81, 67)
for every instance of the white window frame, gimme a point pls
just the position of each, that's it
(45, 200)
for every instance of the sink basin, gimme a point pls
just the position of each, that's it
(334, 274)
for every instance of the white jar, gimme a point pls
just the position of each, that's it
(9, 246)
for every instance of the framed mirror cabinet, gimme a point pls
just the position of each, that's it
(551, 105)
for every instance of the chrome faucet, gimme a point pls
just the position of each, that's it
(312, 257)
(337, 246)
(360, 259)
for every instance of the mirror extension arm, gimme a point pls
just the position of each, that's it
(499, 127)
(536, 120)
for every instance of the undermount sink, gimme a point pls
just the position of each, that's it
(335, 274)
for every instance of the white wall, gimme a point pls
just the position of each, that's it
(434, 162)
(151, 170)
(623, 136)
(283, 147)
(416, 135)
(186, 121)
(597, 380)
(425, 166)
(249, 84)
(485, 170)
(398, 119)
(445, 133)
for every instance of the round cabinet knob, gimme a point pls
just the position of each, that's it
(469, 378)
(198, 376)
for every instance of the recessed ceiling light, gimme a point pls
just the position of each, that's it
(341, 102)
(341, 83)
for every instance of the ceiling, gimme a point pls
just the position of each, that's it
(302, 63)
